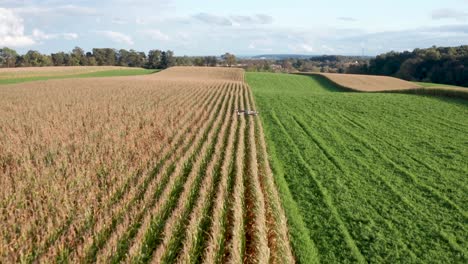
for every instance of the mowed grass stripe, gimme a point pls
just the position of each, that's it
(413, 201)
(390, 217)
(409, 176)
(142, 251)
(448, 185)
(325, 196)
(206, 213)
(388, 220)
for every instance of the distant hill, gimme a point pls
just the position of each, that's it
(297, 56)
(282, 56)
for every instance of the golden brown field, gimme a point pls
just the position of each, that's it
(137, 169)
(25, 72)
(372, 83)
(369, 83)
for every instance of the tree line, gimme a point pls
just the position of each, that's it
(155, 59)
(325, 63)
(445, 65)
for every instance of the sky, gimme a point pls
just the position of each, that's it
(242, 27)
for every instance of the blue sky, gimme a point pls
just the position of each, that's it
(212, 27)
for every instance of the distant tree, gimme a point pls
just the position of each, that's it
(122, 57)
(183, 61)
(286, 65)
(88, 59)
(32, 59)
(105, 56)
(58, 59)
(210, 61)
(229, 59)
(198, 61)
(167, 59)
(8, 57)
(91, 61)
(78, 56)
(154, 59)
(447, 65)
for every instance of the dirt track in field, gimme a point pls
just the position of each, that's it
(137, 169)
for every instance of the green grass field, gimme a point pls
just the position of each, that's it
(429, 85)
(109, 73)
(378, 178)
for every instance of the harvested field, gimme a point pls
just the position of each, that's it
(21, 75)
(154, 168)
(367, 83)
(23, 72)
(372, 83)
(202, 74)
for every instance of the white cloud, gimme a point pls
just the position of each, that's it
(155, 34)
(447, 13)
(301, 47)
(70, 36)
(213, 19)
(116, 36)
(40, 35)
(327, 48)
(37, 34)
(119, 21)
(234, 20)
(348, 19)
(12, 30)
(63, 10)
(140, 21)
(259, 19)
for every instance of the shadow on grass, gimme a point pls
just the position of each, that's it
(329, 85)
(326, 83)
(446, 94)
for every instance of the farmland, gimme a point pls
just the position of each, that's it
(160, 168)
(367, 177)
(155, 168)
(367, 83)
(19, 75)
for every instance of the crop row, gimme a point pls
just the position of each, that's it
(203, 193)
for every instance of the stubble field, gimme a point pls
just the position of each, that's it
(157, 168)
(28, 74)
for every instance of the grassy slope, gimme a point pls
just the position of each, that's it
(109, 73)
(426, 84)
(375, 177)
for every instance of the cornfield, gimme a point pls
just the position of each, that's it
(155, 168)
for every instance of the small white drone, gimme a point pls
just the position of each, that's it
(246, 112)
